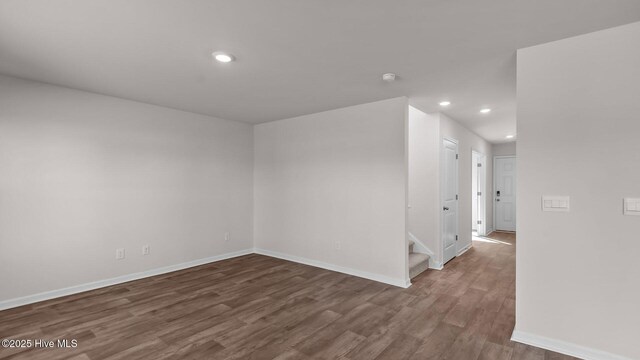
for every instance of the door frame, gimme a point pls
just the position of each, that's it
(481, 180)
(442, 187)
(493, 189)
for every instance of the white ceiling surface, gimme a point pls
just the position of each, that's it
(294, 57)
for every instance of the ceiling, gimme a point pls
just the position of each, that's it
(295, 57)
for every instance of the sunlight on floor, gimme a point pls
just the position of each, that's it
(475, 237)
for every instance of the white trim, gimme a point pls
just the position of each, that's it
(465, 249)
(48, 295)
(482, 181)
(564, 347)
(422, 248)
(436, 265)
(403, 283)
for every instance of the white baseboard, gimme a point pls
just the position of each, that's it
(436, 265)
(48, 295)
(465, 249)
(403, 283)
(564, 347)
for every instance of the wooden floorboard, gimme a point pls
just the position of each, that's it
(257, 307)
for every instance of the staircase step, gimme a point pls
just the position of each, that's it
(417, 264)
(411, 243)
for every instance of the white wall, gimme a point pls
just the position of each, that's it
(578, 127)
(424, 169)
(83, 174)
(468, 142)
(335, 177)
(504, 149)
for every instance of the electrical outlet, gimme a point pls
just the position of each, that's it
(146, 250)
(336, 245)
(227, 236)
(119, 253)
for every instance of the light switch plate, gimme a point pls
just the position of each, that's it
(555, 203)
(632, 206)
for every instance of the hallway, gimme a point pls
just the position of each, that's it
(476, 313)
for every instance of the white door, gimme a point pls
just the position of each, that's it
(474, 191)
(449, 199)
(505, 192)
(481, 177)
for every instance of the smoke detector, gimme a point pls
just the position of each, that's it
(389, 77)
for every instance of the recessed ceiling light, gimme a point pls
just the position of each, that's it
(223, 57)
(485, 111)
(389, 77)
(445, 103)
(509, 136)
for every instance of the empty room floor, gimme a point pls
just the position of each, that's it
(257, 307)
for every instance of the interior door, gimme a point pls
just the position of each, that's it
(449, 199)
(505, 193)
(480, 167)
(474, 191)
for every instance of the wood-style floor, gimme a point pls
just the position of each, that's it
(257, 307)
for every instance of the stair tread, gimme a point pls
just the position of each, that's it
(418, 263)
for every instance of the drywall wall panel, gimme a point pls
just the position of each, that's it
(331, 188)
(578, 128)
(504, 149)
(424, 170)
(83, 174)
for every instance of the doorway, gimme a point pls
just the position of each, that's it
(505, 193)
(478, 195)
(449, 198)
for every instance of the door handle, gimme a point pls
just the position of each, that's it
(445, 208)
